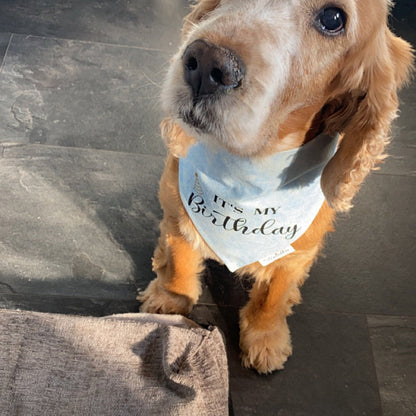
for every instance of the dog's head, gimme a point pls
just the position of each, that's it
(260, 76)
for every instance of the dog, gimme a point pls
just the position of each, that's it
(262, 98)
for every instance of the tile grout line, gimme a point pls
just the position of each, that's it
(52, 296)
(365, 315)
(411, 174)
(5, 53)
(117, 45)
(373, 361)
(362, 314)
(7, 145)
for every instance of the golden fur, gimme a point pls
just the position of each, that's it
(299, 83)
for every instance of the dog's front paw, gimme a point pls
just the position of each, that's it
(156, 299)
(265, 351)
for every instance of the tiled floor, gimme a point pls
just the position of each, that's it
(80, 159)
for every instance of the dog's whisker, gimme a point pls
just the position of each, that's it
(151, 81)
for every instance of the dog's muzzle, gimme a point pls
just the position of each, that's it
(211, 70)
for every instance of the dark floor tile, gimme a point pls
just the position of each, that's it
(207, 315)
(77, 222)
(402, 20)
(330, 372)
(402, 149)
(68, 305)
(205, 298)
(369, 264)
(401, 160)
(4, 42)
(394, 347)
(151, 24)
(81, 94)
(226, 288)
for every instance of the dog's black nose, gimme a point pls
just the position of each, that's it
(210, 69)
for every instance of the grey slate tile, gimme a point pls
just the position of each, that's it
(394, 346)
(76, 222)
(81, 94)
(401, 161)
(369, 264)
(402, 149)
(4, 42)
(68, 305)
(403, 146)
(150, 24)
(227, 289)
(330, 373)
(402, 20)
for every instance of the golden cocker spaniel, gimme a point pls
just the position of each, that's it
(276, 112)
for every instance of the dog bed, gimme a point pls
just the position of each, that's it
(133, 364)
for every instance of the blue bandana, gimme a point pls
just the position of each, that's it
(252, 209)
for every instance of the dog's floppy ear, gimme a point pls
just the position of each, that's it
(200, 9)
(362, 108)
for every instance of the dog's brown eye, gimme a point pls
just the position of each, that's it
(331, 20)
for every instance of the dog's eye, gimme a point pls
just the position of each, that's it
(331, 20)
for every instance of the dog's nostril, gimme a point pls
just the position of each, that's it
(192, 64)
(210, 69)
(217, 76)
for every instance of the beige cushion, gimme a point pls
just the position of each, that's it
(133, 364)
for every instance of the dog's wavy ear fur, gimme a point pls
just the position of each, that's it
(200, 9)
(364, 103)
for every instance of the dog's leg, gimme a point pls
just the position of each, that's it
(178, 266)
(264, 333)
